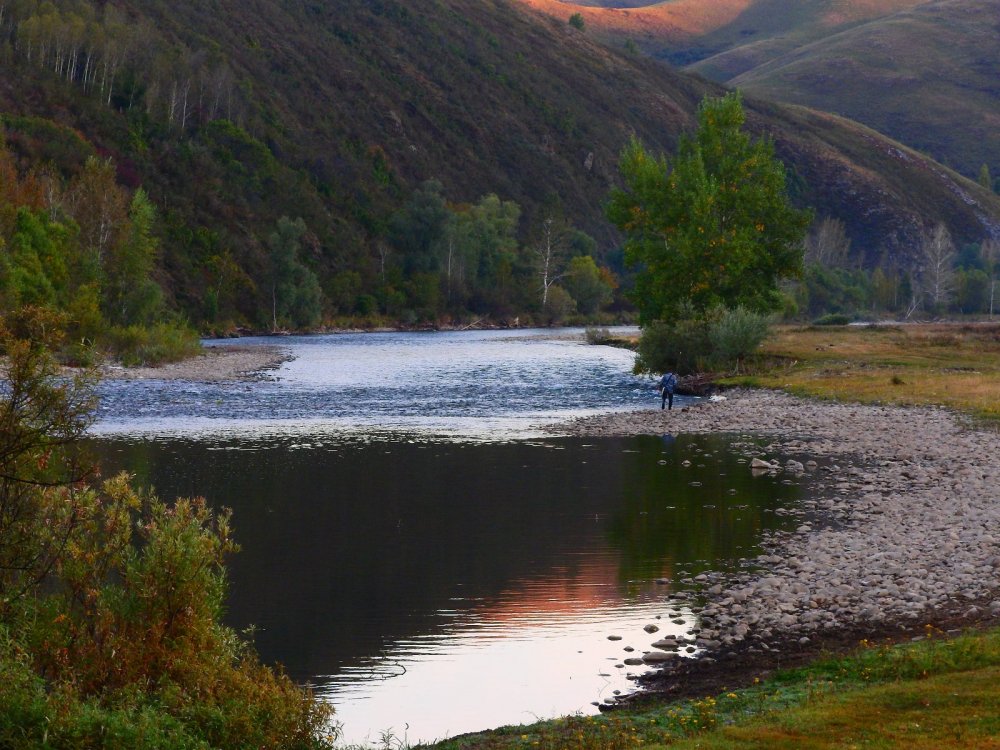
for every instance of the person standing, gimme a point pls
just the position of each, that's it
(666, 386)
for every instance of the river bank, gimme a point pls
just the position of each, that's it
(902, 534)
(213, 364)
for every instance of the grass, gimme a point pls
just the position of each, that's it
(948, 364)
(936, 693)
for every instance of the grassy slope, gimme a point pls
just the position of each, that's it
(940, 694)
(685, 30)
(929, 77)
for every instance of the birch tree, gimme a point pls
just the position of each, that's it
(938, 274)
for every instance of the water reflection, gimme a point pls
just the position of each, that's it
(456, 586)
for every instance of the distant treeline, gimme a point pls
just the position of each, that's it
(944, 279)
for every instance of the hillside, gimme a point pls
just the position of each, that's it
(929, 77)
(686, 31)
(233, 115)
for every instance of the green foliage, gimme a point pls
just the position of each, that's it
(682, 346)
(110, 600)
(735, 334)
(832, 319)
(151, 345)
(296, 297)
(131, 296)
(586, 284)
(712, 227)
(984, 177)
(577, 22)
(721, 340)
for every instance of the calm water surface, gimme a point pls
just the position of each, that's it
(426, 571)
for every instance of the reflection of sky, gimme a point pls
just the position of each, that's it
(463, 384)
(543, 643)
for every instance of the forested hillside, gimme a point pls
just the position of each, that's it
(414, 161)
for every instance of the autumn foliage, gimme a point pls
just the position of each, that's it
(111, 599)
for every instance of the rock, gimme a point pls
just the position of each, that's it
(761, 465)
(657, 657)
(614, 637)
(634, 661)
(651, 629)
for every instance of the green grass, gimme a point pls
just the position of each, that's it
(936, 693)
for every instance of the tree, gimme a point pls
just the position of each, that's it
(549, 257)
(984, 177)
(714, 226)
(827, 244)
(295, 292)
(131, 295)
(588, 285)
(937, 273)
(417, 229)
(991, 256)
(577, 22)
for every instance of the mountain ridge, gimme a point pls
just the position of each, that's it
(335, 113)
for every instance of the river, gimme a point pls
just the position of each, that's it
(419, 546)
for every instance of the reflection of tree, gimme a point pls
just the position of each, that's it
(663, 523)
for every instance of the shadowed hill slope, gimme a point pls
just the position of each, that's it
(233, 114)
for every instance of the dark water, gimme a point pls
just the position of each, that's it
(440, 587)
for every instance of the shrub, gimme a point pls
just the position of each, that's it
(111, 600)
(597, 336)
(683, 347)
(141, 345)
(735, 334)
(833, 319)
(577, 22)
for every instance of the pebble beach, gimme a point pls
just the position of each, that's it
(903, 529)
(214, 364)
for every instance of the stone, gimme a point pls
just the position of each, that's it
(657, 657)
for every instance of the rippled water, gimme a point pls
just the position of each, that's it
(429, 573)
(472, 385)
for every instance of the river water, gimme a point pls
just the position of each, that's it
(419, 547)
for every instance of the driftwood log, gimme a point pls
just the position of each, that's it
(697, 384)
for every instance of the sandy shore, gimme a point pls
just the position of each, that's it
(903, 530)
(214, 364)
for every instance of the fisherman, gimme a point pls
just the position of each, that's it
(666, 387)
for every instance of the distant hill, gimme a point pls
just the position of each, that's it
(687, 31)
(929, 77)
(233, 114)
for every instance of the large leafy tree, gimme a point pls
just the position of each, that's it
(713, 226)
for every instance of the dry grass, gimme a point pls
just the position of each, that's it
(953, 365)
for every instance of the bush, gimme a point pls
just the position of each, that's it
(735, 334)
(161, 343)
(597, 336)
(833, 319)
(682, 347)
(111, 600)
(577, 22)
